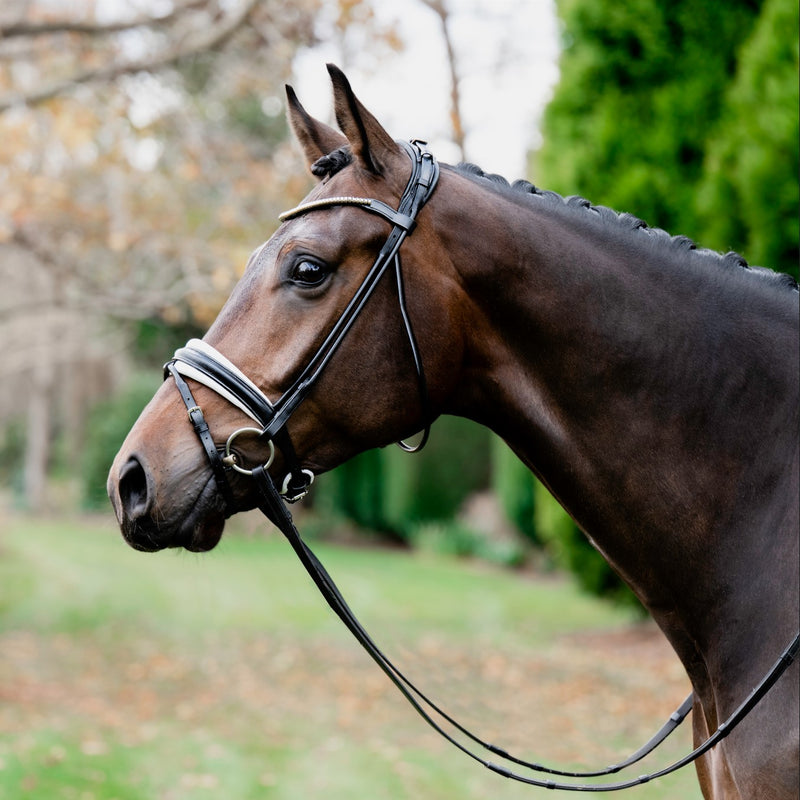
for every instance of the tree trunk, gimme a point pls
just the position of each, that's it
(37, 440)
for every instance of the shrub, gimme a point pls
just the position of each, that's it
(513, 483)
(391, 491)
(455, 538)
(109, 423)
(570, 549)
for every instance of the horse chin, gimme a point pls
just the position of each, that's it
(203, 535)
(197, 534)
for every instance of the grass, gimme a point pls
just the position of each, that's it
(173, 676)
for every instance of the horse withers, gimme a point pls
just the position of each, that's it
(651, 386)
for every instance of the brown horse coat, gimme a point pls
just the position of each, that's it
(652, 387)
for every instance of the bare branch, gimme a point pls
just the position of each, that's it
(88, 297)
(34, 29)
(456, 120)
(210, 40)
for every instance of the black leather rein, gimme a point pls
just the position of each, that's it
(201, 362)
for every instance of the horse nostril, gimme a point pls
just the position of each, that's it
(133, 489)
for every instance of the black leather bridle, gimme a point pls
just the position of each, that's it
(201, 362)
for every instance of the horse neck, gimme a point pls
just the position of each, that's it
(623, 382)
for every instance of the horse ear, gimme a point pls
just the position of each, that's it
(372, 146)
(316, 138)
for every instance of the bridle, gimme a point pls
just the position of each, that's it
(201, 362)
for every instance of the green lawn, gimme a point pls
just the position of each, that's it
(173, 676)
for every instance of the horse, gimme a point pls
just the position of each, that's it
(651, 385)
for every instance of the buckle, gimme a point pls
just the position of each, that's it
(297, 492)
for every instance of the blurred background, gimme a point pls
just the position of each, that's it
(144, 154)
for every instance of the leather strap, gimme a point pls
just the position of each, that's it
(423, 180)
(201, 429)
(271, 506)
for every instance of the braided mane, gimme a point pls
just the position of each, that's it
(331, 164)
(625, 221)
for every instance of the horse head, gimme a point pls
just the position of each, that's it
(296, 286)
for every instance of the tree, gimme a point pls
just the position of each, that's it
(749, 193)
(392, 492)
(140, 157)
(191, 28)
(686, 114)
(456, 118)
(644, 91)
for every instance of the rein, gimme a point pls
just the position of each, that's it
(201, 362)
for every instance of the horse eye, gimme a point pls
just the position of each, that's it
(308, 273)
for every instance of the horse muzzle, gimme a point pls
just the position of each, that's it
(150, 525)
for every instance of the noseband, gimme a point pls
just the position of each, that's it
(200, 362)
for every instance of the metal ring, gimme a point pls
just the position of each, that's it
(231, 457)
(300, 495)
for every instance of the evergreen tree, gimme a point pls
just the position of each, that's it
(643, 87)
(749, 195)
(393, 492)
(685, 113)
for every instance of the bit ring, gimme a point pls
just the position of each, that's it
(231, 459)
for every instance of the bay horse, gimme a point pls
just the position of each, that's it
(650, 385)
